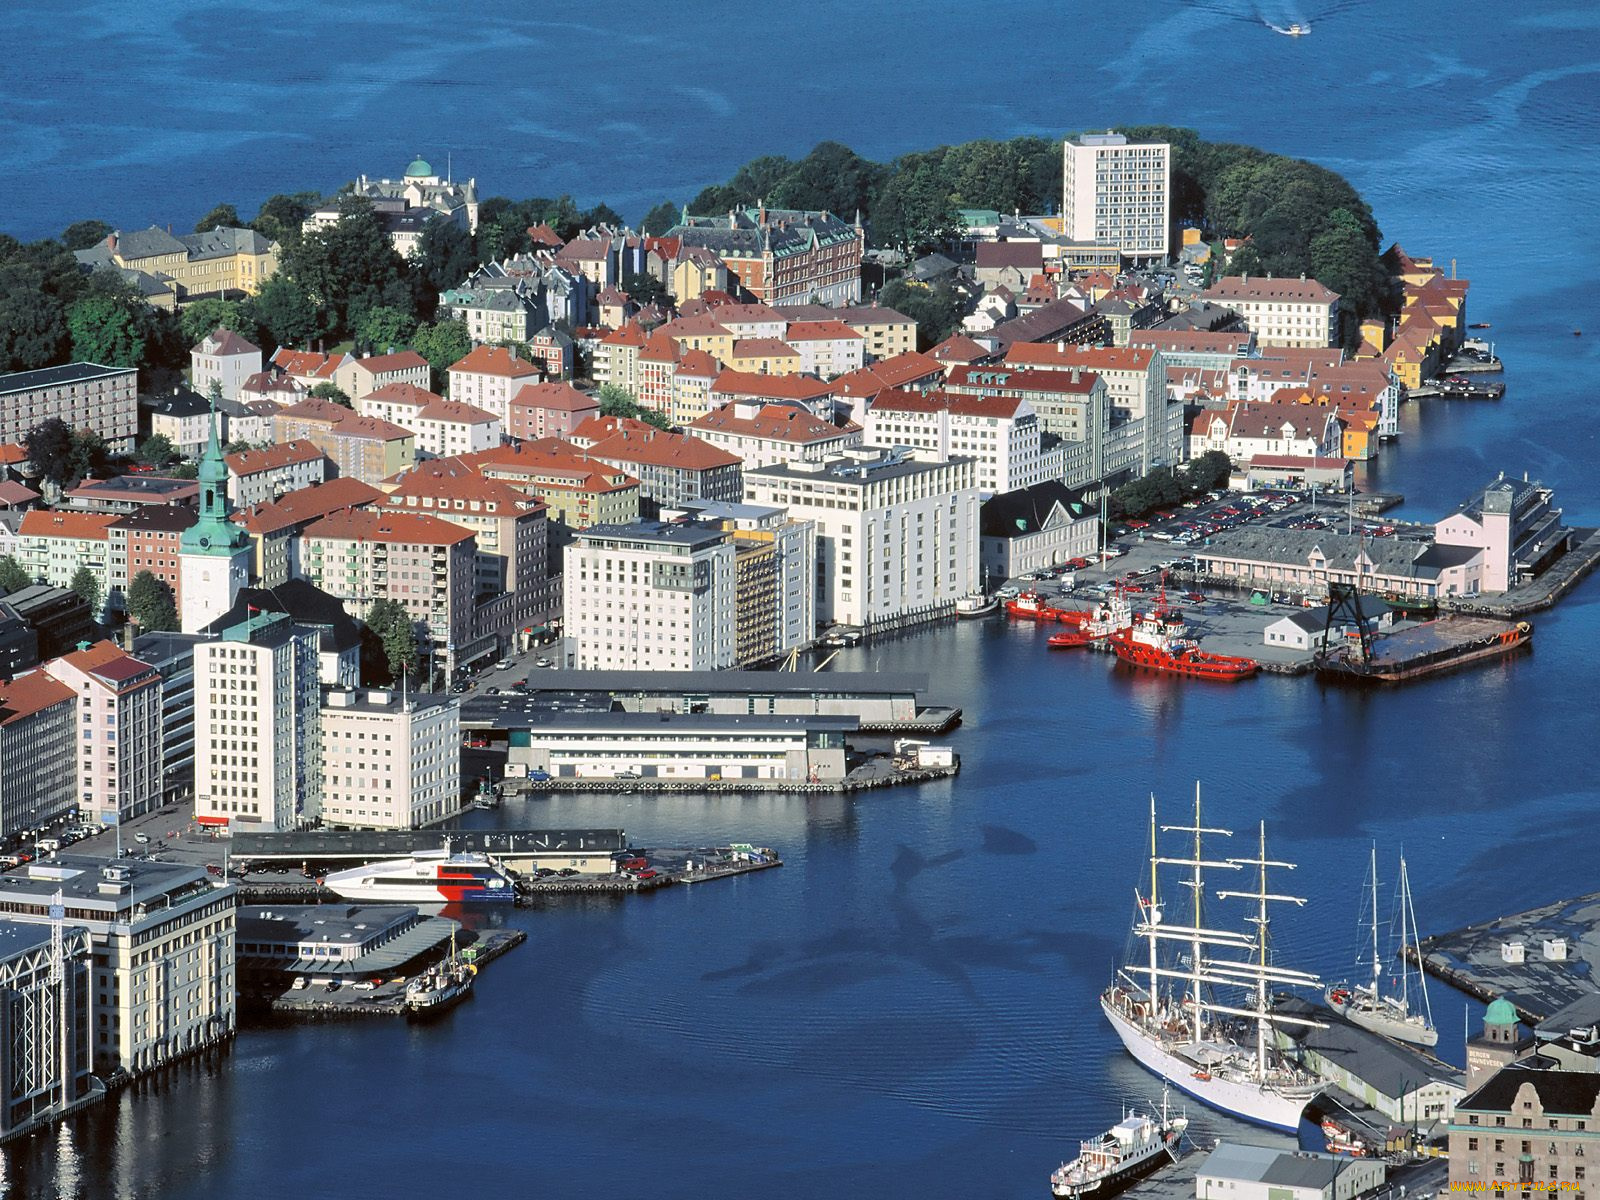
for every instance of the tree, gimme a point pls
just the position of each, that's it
(88, 457)
(398, 633)
(80, 235)
(156, 450)
(150, 604)
(187, 469)
(660, 218)
(201, 317)
(280, 216)
(285, 312)
(380, 328)
(349, 266)
(13, 576)
(443, 344)
(644, 289)
(331, 391)
(85, 583)
(48, 445)
(936, 309)
(105, 330)
(618, 402)
(444, 256)
(223, 216)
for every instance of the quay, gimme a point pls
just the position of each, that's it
(1444, 390)
(1541, 960)
(863, 778)
(1560, 578)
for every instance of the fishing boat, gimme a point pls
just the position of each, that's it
(1031, 606)
(426, 877)
(1159, 640)
(1136, 1146)
(1364, 1004)
(978, 604)
(1199, 1012)
(441, 986)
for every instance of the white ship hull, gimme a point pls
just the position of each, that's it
(1249, 1101)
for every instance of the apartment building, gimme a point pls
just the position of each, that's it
(672, 468)
(897, 539)
(539, 410)
(224, 358)
(426, 564)
(442, 427)
(1000, 433)
(256, 722)
(390, 761)
(1136, 386)
(1280, 312)
(578, 490)
(1072, 406)
(760, 435)
(148, 539)
(367, 375)
(1116, 191)
(359, 447)
(84, 395)
(488, 377)
(262, 476)
(1523, 1131)
(651, 596)
(52, 544)
(38, 755)
(119, 746)
(783, 255)
(275, 528)
(162, 954)
(885, 332)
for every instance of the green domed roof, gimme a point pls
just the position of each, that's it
(1501, 1012)
(419, 168)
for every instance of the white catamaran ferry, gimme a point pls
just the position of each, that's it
(1167, 1010)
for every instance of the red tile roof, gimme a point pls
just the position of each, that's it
(771, 387)
(382, 364)
(775, 422)
(29, 694)
(653, 447)
(700, 364)
(959, 348)
(306, 362)
(1002, 407)
(1258, 288)
(363, 524)
(342, 421)
(444, 480)
(307, 504)
(273, 458)
(820, 331)
(894, 372)
(403, 393)
(763, 348)
(550, 457)
(557, 397)
(40, 522)
(495, 360)
(1064, 356)
(225, 342)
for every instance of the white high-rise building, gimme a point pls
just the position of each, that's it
(1001, 432)
(896, 538)
(390, 760)
(1117, 192)
(650, 596)
(257, 717)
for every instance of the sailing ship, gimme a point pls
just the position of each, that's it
(1166, 1012)
(1136, 1146)
(1364, 1004)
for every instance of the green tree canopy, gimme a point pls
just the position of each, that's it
(224, 216)
(660, 218)
(443, 344)
(935, 308)
(644, 289)
(80, 235)
(380, 328)
(105, 330)
(156, 450)
(285, 313)
(201, 317)
(49, 447)
(348, 266)
(619, 402)
(444, 256)
(87, 584)
(150, 604)
(13, 575)
(327, 390)
(280, 216)
(398, 633)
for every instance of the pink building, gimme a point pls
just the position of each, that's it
(119, 739)
(542, 410)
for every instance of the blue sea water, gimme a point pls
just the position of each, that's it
(907, 1007)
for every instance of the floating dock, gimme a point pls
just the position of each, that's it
(1432, 648)
(1559, 952)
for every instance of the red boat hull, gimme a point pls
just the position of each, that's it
(1067, 641)
(1193, 664)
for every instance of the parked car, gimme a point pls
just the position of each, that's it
(543, 662)
(627, 775)
(503, 665)
(538, 775)
(567, 872)
(647, 873)
(365, 985)
(543, 872)
(299, 984)
(634, 864)
(142, 838)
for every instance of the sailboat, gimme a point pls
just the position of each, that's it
(1364, 1004)
(1166, 1013)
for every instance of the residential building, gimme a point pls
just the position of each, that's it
(672, 468)
(181, 417)
(38, 752)
(578, 490)
(552, 351)
(148, 539)
(1074, 407)
(275, 528)
(171, 655)
(162, 952)
(764, 356)
(339, 635)
(782, 255)
(309, 368)
(693, 378)
(488, 377)
(1242, 431)
(1034, 527)
(218, 262)
(910, 372)
(1281, 312)
(1000, 433)
(1262, 376)
(45, 1005)
(214, 553)
(367, 375)
(760, 435)
(1525, 1131)
(441, 427)
(119, 773)
(1117, 191)
(1065, 320)
(493, 314)
(257, 726)
(426, 564)
(59, 616)
(651, 596)
(126, 493)
(775, 572)
(510, 538)
(802, 391)
(390, 761)
(1515, 526)
(887, 333)
(1136, 385)
(540, 410)
(363, 448)
(53, 544)
(897, 539)
(262, 476)
(616, 357)
(225, 359)
(84, 395)
(1235, 1171)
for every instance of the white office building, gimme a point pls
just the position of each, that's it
(897, 539)
(1001, 433)
(1117, 192)
(390, 761)
(652, 596)
(256, 726)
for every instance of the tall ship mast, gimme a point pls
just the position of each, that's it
(1198, 1011)
(1364, 1004)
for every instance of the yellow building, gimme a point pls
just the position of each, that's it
(214, 263)
(764, 356)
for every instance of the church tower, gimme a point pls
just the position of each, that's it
(214, 553)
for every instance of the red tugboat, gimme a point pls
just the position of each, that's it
(1106, 618)
(1160, 641)
(1031, 606)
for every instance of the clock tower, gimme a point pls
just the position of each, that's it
(214, 553)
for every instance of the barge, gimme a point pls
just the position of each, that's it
(1444, 645)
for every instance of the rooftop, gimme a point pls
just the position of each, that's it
(691, 534)
(1569, 1093)
(79, 372)
(387, 526)
(307, 504)
(273, 458)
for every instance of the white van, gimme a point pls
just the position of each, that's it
(48, 845)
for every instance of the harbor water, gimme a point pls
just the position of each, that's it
(908, 1007)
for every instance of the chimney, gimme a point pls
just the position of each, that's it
(111, 241)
